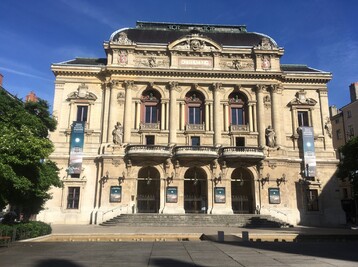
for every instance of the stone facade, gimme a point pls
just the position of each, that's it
(183, 118)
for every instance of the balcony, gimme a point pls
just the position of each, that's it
(207, 152)
(152, 151)
(243, 152)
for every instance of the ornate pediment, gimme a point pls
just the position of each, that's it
(301, 99)
(82, 93)
(194, 43)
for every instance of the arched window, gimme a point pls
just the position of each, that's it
(150, 106)
(195, 111)
(237, 109)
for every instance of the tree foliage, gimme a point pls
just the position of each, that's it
(348, 166)
(26, 174)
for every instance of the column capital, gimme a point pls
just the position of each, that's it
(260, 88)
(217, 86)
(128, 84)
(276, 88)
(174, 86)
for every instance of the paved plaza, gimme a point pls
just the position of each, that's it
(231, 252)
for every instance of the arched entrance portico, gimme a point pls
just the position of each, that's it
(242, 188)
(195, 191)
(148, 190)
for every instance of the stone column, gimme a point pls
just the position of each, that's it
(128, 111)
(162, 116)
(173, 116)
(251, 126)
(111, 105)
(207, 118)
(105, 122)
(138, 108)
(167, 116)
(254, 116)
(226, 117)
(275, 112)
(216, 113)
(260, 114)
(211, 117)
(182, 116)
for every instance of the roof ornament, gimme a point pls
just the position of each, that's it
(265, 44)
(123, 39)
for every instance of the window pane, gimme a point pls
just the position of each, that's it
(149, 139)
(195, 141)
(302, 118)
(73, 197)
(237, 116)
(154, 115)
(147, 114)
(82, 113)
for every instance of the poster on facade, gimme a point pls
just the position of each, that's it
(274, 195)
(115, 194)
(172, 194)
(76, 148)
(309, 156)
(220, 196)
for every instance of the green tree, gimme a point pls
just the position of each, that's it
(26, 173)
(348, 166)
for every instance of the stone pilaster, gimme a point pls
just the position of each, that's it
(260, 114)
(173, 113)
(216, 113)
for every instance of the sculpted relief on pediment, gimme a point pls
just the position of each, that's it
(82, 93)
(195, 44)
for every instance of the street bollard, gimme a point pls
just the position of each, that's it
(245, 236)
(221, 236)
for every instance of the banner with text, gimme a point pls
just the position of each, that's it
(76, 147)
(309, 156)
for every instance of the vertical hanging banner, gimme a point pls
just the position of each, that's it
(309, 156)
(76, 147)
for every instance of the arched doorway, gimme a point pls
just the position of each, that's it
(148, 190)
(195, 191)
(242, 188)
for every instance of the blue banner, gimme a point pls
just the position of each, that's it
(309, 155)
(76, 147)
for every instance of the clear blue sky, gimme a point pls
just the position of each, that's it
(34, 34)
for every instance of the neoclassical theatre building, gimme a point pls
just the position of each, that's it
(192, 118)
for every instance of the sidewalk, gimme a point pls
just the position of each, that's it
(255, 234)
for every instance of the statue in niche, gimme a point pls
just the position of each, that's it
(117, 134)
(270, 136)
(328, 127)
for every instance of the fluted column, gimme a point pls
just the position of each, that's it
(275, 112)
(260, 114)
(128, 111)
(217, 121)
(254, 116)
(173, 113)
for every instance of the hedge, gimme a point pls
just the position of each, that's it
(25, 230)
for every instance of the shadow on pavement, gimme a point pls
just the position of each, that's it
(57, 263)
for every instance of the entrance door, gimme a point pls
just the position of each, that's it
(242, 192)
(195, 191)
(148, 191)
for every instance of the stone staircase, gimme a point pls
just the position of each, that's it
(200, 220)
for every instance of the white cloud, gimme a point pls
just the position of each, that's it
(90, 11)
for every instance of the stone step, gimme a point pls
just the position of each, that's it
(237, 220)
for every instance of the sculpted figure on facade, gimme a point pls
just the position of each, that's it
(117, 134)
(270, 136)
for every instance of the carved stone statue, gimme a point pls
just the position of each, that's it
(270, 137)
(117, 134)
